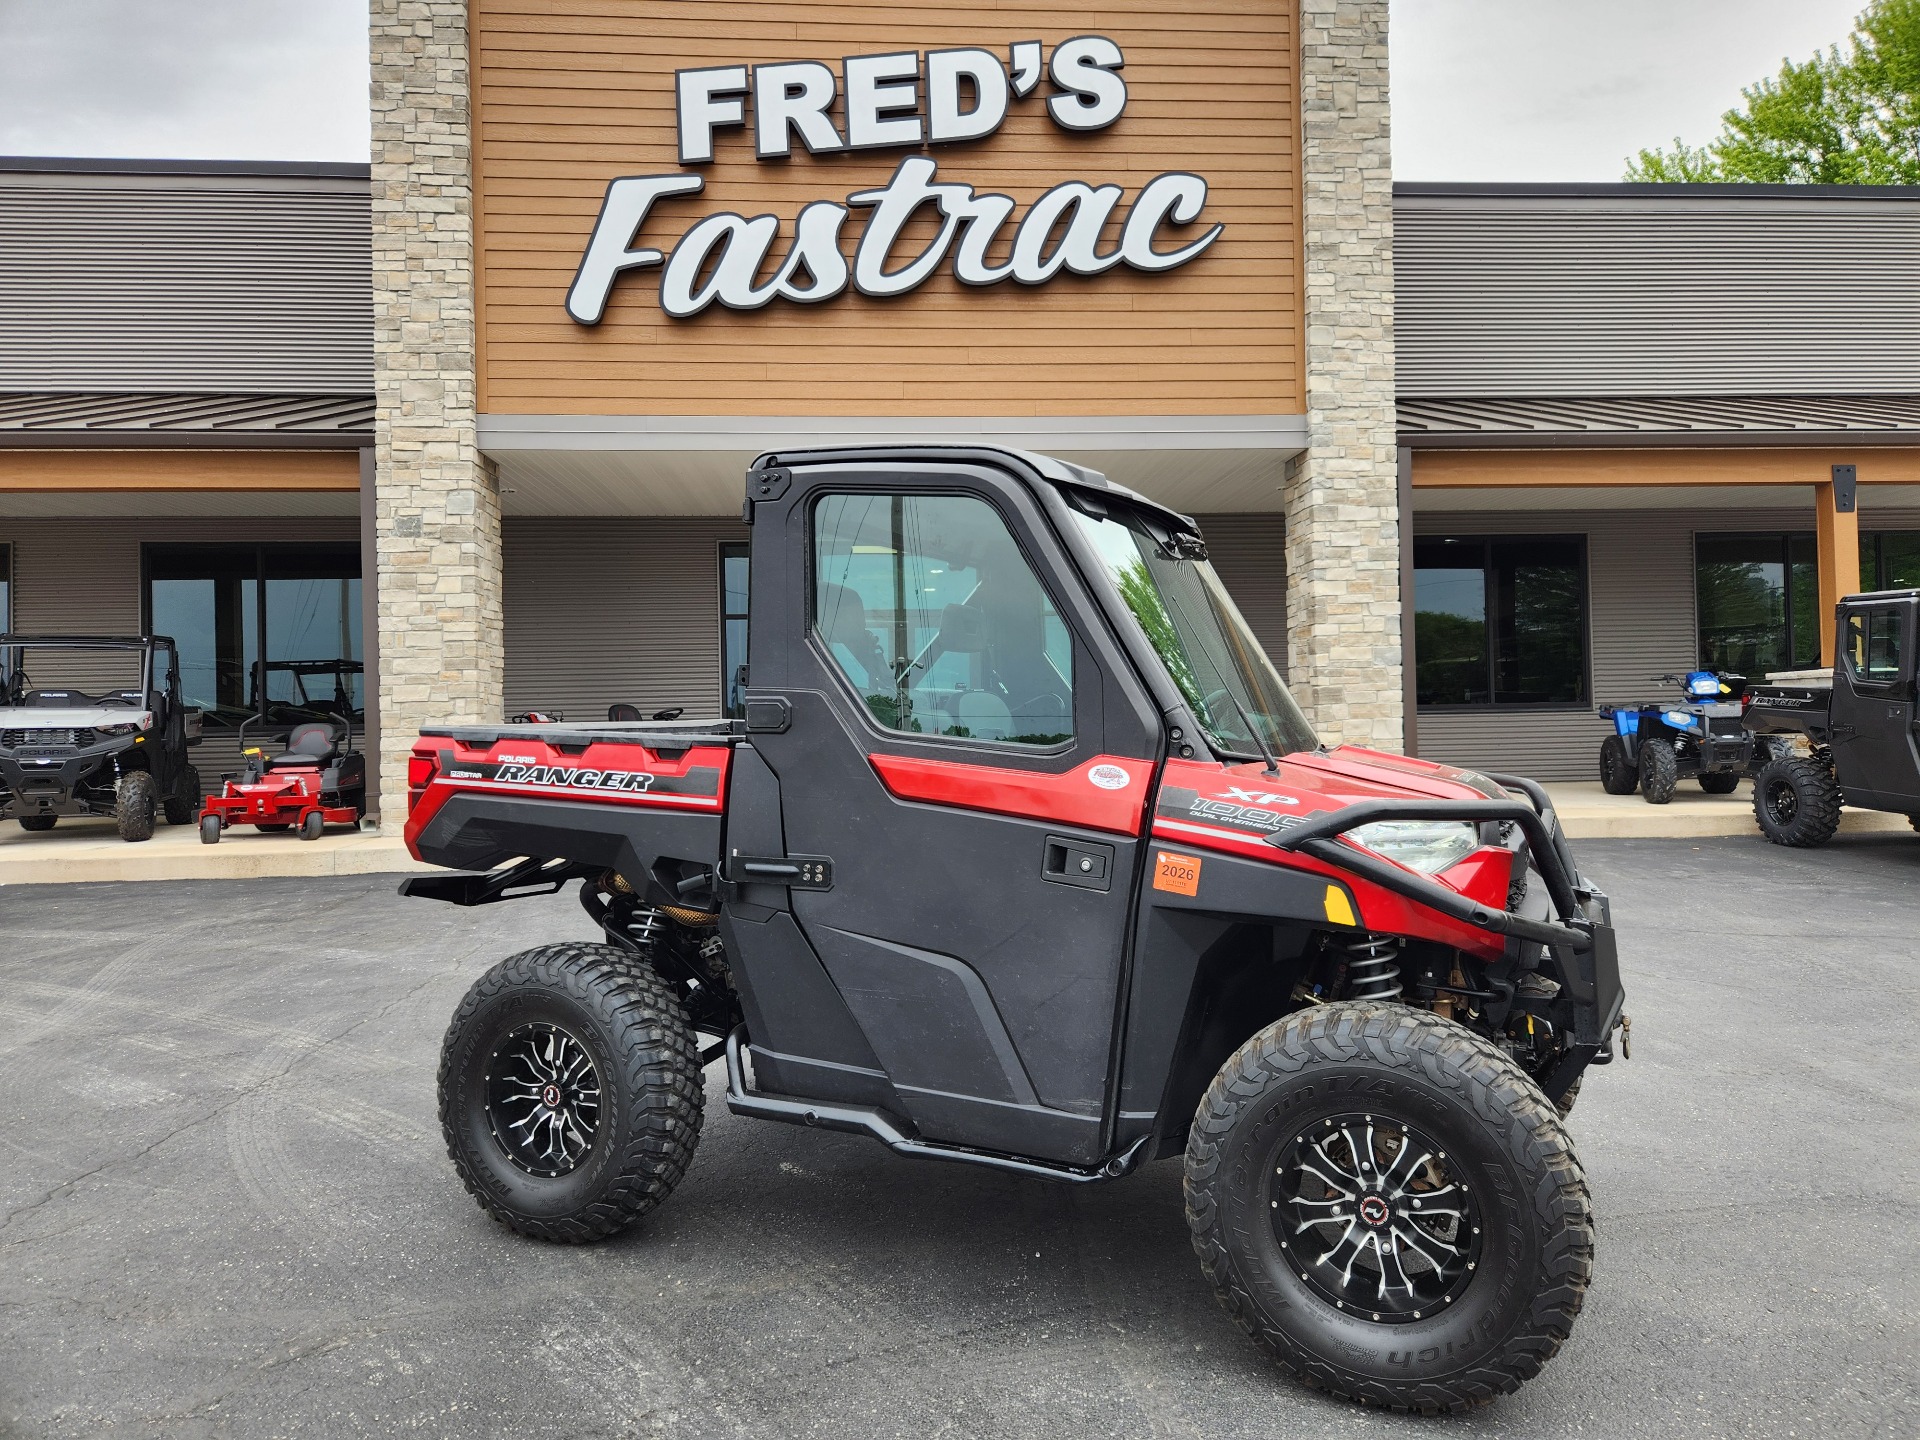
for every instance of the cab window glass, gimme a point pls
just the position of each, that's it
(931, 612)
(1873, 644)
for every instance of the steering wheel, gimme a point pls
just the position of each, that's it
(1224, 716)
(1048, 703)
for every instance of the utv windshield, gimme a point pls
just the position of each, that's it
(1197, 631)
(56, 676)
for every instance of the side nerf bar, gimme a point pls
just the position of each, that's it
(1318, 839)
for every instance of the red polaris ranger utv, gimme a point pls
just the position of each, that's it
(1023, 857)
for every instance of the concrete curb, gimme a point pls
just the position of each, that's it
(85, 854)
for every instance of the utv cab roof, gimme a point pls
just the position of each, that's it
(87, 642)
(1026, 463)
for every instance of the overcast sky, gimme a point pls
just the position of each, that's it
(1482, 89)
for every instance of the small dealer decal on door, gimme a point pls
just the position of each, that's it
(1178, 873)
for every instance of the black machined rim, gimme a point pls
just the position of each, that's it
(1783, 801)
(1375, 1218)
(543, 1099)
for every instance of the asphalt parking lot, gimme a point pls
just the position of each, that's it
(225, 1208)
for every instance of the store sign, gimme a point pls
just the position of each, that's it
(904, 100)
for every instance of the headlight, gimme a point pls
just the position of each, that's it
(116, 730)
(1428, 846)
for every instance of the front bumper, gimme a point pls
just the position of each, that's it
(33, 785)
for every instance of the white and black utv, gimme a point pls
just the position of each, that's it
(95, 725)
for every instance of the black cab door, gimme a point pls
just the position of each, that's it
(959, 738)
(1873, 707)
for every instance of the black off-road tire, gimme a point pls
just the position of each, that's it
(1659, 771)
(1617, 773)
(1566, 1102)
(38, 823)
(1796, 802)
(136, 804)
(184, 808)
(1722, 784)
(632, 1027)
(1535, 1252)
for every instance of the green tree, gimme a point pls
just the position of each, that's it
(1840, 118)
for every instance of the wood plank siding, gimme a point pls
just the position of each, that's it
(179, 470)
(569, 94)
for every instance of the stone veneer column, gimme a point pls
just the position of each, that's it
(1343, 519)
(437, 497)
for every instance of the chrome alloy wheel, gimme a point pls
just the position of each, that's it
(543, 1099)
(1372, 1215)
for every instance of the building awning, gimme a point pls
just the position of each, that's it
(1481, 423)
(48, 421)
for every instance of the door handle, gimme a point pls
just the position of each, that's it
(1086, 864)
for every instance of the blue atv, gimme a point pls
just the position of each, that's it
(1654, 745)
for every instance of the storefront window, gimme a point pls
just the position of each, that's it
(1759, 600)
(733, 629)
(1500, 621)
(1890, 560)
(216, 601)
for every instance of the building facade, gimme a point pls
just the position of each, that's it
(1471, 459)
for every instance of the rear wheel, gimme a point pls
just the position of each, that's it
(136, 802)
(1723, 784)
(1659, 771)
(1389, 1207)
(185, 804)
(570, 1091)
(38, 823)
(1617, 774)
(1796, 801)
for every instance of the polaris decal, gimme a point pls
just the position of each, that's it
(701, 782)
(619, 781)
(1178, 804)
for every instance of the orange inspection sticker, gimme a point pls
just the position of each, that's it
(1178, 873)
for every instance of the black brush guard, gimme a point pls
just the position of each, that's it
(1581, 945)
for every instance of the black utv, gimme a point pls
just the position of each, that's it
(95, 725)
(1854, 733)
(1021, 856)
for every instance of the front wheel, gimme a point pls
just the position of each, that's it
(38, 823)
(1723, 783)
(1796, 801)
(1659, 771)
(1389, 1207)
(136, 802)
(570, 1091)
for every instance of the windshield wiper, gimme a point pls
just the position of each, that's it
(1266, 750)
(1225, 673)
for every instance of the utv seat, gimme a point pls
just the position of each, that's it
(57, 699)
(623, 712)
(312, 744)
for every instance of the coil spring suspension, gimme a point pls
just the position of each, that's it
(1373, 967)
(641, 927)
